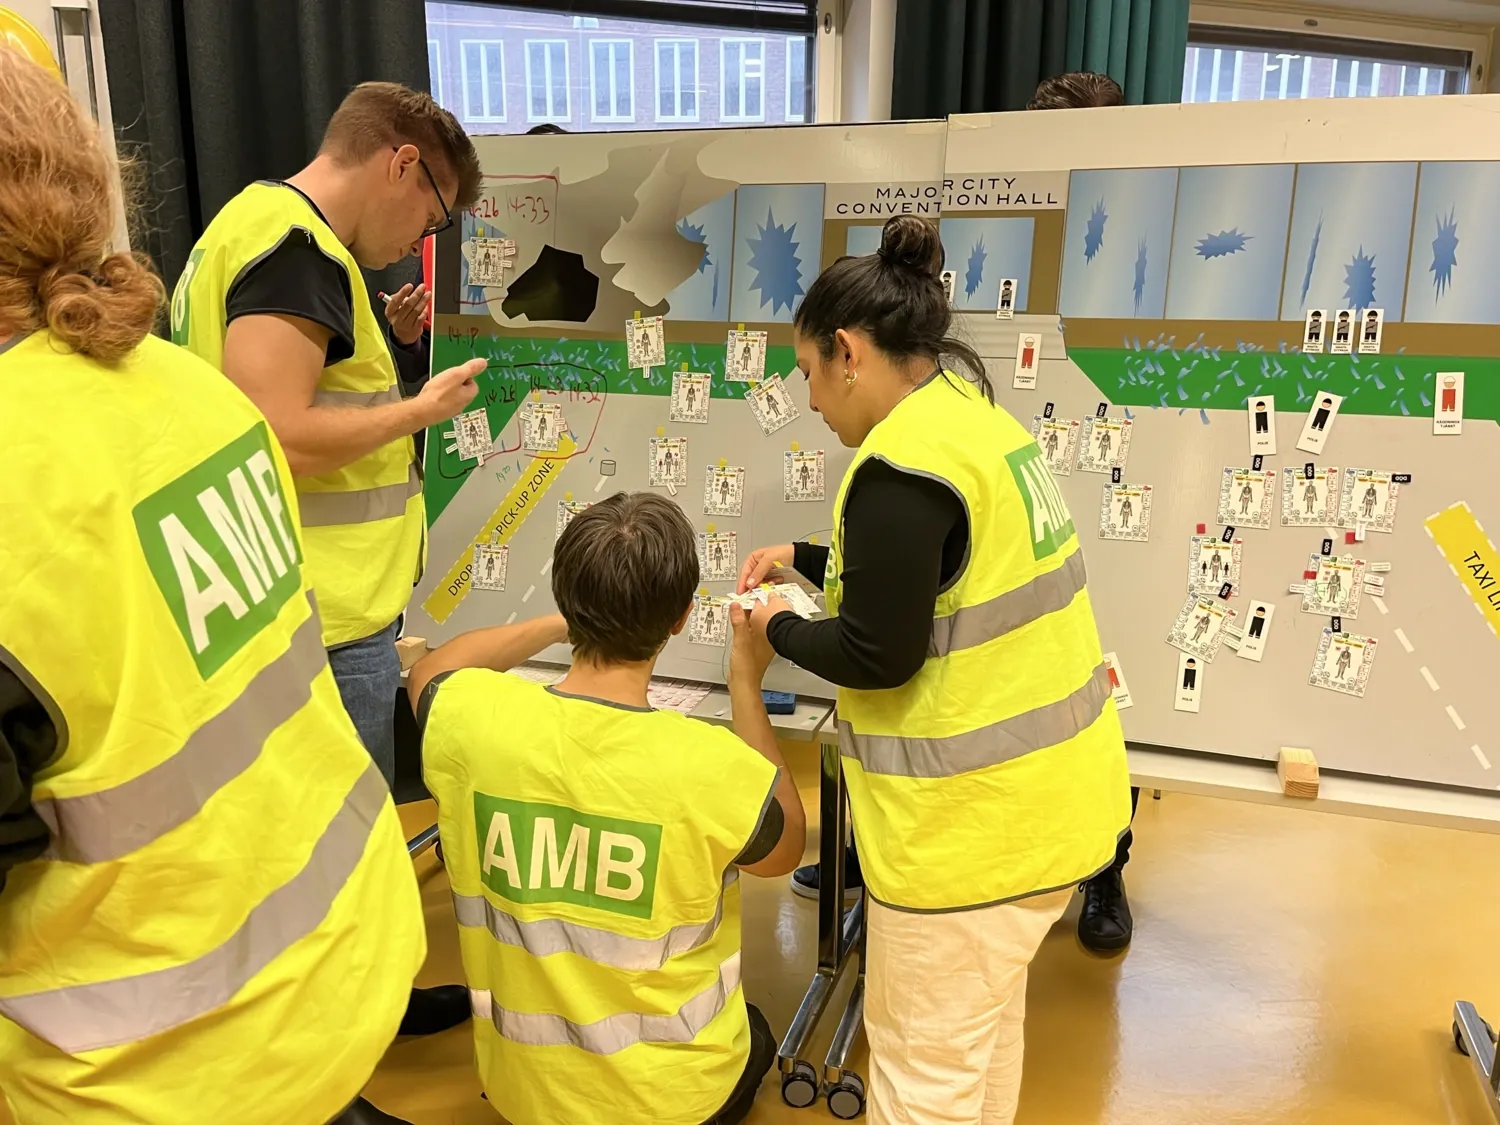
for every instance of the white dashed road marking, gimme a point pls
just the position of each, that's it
(1478, 753)
(1406, 644)
(1426, 675)
(1452, 714)
(526, 597)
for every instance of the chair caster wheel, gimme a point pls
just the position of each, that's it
(846, 1101)
(1458, 1037)
(799, 1089)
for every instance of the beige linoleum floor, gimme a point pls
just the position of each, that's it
(1288, 966)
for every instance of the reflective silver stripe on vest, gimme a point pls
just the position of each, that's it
(546, 936)
(988, 746)
(976, 624)
(99, 827)
(357, 398)
(365, 505)
(612, 1033)
(88, 1017)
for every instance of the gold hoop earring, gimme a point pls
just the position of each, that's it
(850, 377)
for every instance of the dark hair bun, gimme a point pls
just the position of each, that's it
(910, 243)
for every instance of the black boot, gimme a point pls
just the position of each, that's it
(363, 1113)
(431, 1010)
(1105, 925)
(806, 880)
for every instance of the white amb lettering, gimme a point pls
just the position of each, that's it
(238, 541)
(199, 601)
(544, 846)
(505, 860)
(251, 516)
(608, 865)
(1042, 522)
(268, 484)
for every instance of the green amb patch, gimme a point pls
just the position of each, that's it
(220, 542)
(535, 852)
(1046, 513)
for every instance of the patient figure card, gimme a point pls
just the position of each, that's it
(690, 391)
(1369, 499)
(723, 490)
(1126, 512)
(1199, 628)
(745, 357)
(646, 342)
(668, 461)
(542, 426)
(490, 563)
(802, 475)
(1334, 589)
(1246, 497)
(710, 621)
(1104, 443)
(1213, 561)
(472, 430)
(1309, 496)
(718, 556)
(566, 510)
(1343, 662)
(771, 404)
(1058, 438)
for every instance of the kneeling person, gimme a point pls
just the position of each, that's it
(594, 845)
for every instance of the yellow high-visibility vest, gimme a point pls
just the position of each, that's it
(365, 523)
(590, 849)
(225, 926)
(998, 771)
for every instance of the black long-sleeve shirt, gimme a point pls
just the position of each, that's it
(28, 742)
(906, 538)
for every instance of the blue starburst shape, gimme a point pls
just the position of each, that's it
(1093, 233)
(1140, 274)
(694, 233)
(1359, 280)
(1223, 243)
(1312, 260)
(1444, 252)
(778, 270)
(975, 273)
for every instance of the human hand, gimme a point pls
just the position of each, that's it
(761, 563)
(407, 312)
(761, 615)
(750, 653)
(448, 392)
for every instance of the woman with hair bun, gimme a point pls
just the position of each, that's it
(984, 758)
(207, 912)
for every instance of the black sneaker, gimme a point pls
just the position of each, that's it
(431, 1010)
(805, 880)
(1105, 925)
(364, 1113)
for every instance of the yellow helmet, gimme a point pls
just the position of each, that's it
(21, 36)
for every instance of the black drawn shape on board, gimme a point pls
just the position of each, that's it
(1327, 547)
(1047, 411)
(557, 286)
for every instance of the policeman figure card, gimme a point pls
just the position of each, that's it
(646, 342)
(772, 405)
(690, 396)
(1369, 500)
(1058, 438)
(1126, 512)
(723, 489)
(1334, 589)
(1309, 496)
(1262, 410)
(1213, 562)
(1199, 628)
(1343, 332)
(668, 461)
(1246, 497)
(490, 563)
(710, 621)
(1371, 328)
(1313, 330)
(1006, 310)
(1343, 662)
(802, 475)
(1257, 630)
(1104, 443)
(1320, 418)
(745, 357)
(718, 556)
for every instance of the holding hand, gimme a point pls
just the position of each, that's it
(761, 563)
(407, 312)
(448, 392)
(750, 654)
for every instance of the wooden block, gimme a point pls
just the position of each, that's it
(411, 649)
(1298, 771)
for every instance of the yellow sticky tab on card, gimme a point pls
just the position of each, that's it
(710, 529)
(703, 591)
(723, 464)
(739, 327)
(813, 539)
(661, 431)
(638, 314)
(684, 366)
(567, 496)
(796, 447)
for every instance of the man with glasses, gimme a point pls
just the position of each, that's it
(273, 296)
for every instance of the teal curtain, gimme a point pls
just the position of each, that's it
(1141, 44)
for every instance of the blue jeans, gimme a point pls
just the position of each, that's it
(368, 673)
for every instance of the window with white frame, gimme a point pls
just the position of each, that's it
(676, 80)
(797, 50)
(482, 63)
(612, 79)
(435, 70)
(742, 84)
(1243, 64)
(547, 87)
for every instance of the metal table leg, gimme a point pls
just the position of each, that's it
(423, 840)
(1475, 1038)
(846, 1089)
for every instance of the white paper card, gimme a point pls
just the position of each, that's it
(1187, 690)
(1006, 309)
(1247, 498)
(1257, 630)
(950, 283)
(1028, 355)
(1104, 444)
(1126, 512)
(646, 342)
(1309, 500)
(668, 461)
(1336, 589)
(542, 426)
(802, 474)
(718, 556)
(745, 357)
(1448, 403)
(1343, 332)
(472, 431)
(1368, 500)
(490, 565)
(710, 621)
(1118, 688)
(1199, 628)
(1058, 438)
(1320, 419)
(1313, 330)
(690, 390)
(1343, 662)
(771, 404)
(1262, 425)
(566, 510)
(723, 490)
(1212, 562)
(1371, 329)
(491, 258)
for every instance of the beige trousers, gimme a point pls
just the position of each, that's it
(945, 998)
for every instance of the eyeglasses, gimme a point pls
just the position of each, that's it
(436, 228)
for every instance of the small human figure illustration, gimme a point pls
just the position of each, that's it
(708, 621)
(1105, 441)
(644, 344)
(745, 359)
(1335, 588)
(489, 570)
(692, 398)
(542, 425)
(724, 491)
(1247, 496)
(1007, 294)
(1341, 329)
(1369, 502)
(774, 405)
(1258, 621)
(1341, 666)
(1028, 351)
(1450, 394)
(718, 556)
(1051, 445)
(1114, 677)
(1320, 418)
(1315, 327)
(1190, 674)
(1310, 497)
(667, 462)
(1372, 327)
(1127, 509)
(806, 472)
(1262, 419)
(1200, 627)
(1216, 567)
